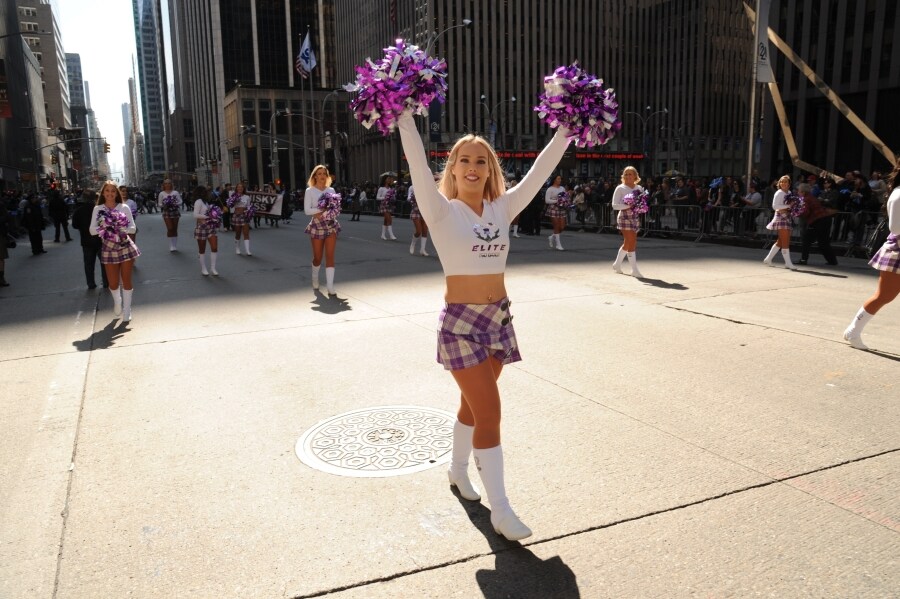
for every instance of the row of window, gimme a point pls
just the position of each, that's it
(27, 11)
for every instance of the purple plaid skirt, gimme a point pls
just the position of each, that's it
(202, 231)
(171, 212)
(239, 219)
(387, 207)
(319, 228)
(469, 333)
(414, 214)
(554, 211)
(116, 253)
(781, 221)
(888, 257)
(628, 220)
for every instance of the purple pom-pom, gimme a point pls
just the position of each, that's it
(330, 203)
(387, 204)
(581, 103)
(111, 226)
(405, 78)
(213, 218)
(796, 203)
(637, 200)
(564, 201)
(232, 200)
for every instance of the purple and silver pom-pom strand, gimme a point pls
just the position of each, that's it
(214, 217)
(405, 78)
(232, 200)
(563, 200)
(798, 206)
(170, 201)
(112, 225)
(330, 204)
(581, 103)
(637, 201)
(251, 211)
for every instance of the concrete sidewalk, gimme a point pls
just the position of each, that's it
(702, 432)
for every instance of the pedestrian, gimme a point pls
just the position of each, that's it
(364, 192)
(421, 227)
(6, 223)
(818, 225)
(208, 216)
(33, 221)
(385, 196)
(323, 227)
(239, 203)
(469, 215)
(111, 220)
(556, 214)
(356, 197)
(90, 244)
(59, 214)
(781, 222)
(170, 202)
(886, 260)
(628, 220)
(123, 190)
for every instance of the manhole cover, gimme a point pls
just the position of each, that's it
(383, 441)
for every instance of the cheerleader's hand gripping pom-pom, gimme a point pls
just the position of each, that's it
(404, 79)
(582, 104)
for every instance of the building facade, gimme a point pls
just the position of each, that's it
(38, 17)
(153, 96)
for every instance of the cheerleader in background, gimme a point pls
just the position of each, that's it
(419, 223)
(322, 231)
(557, 215)
(887, 261)
(118, 251)
(208, 217)
(627, 221)
(169, 202)
(387, 230)
(783, 223)
(240, 221)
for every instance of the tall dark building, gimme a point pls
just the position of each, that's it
(152, 70)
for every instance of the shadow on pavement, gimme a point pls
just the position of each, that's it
(664, 284)
(517, 571)
(817, 273)
(330, 305)
(882, 354)
(104, 338)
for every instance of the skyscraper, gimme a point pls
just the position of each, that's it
(151, 68)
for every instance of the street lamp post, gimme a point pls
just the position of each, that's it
(322, 120)
(644, 121)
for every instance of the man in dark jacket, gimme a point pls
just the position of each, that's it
(33, 221)
(90, 244)
(59, 213)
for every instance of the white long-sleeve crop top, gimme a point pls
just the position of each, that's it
(619, 194)
(778, 200)
(311, 200)
(552, 192)
(163, 195)
(124, 209)
(893, 211)
(201, 208)
(469, 244)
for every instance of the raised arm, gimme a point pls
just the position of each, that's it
(893, 210)
(520, 195)
(433, 206)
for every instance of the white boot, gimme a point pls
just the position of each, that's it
(412, 245)
(237, 247)
(459, 463)
(329, 280)
(212, 263)
(853, 334)
(390, 231)
(247, 247)
(550, 240)
(632, 259)
(515, 231)
(315, 276)
(423, 241)
(786, 254)
(117, 301)
(384, 232)
(203, 265)
(558, 244)
(620, 257)
(172, 243)
(503, 519)
(768, 259)
(126, 304)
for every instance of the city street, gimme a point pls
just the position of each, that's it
(701, 432)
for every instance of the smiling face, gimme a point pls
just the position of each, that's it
(471, 169)
(110, 195)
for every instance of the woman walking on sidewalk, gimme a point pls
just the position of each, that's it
(385, 197)
(556, 214)
(209, 217)
(886, 260)
(239, 203)
(783, 223)
(323, 227)
(111, 220)
(628, 220)
(169, 202)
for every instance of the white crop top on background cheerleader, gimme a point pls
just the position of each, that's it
(552, 192)
(242, 202)
(163, 195)
(470, 244)
(621, 191)
(201, 209)
(311, 200)
(778, 202)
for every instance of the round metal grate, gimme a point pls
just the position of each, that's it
(376, 442)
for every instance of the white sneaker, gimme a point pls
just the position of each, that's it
(412, 248)
(205, 272)
(767, 262)
(854, 338)
(214, 271)
(636, 273)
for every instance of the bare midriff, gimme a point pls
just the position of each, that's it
(475, 289)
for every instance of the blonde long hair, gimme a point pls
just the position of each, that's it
(494, 187)
(637, 177)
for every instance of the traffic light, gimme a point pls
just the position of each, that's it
(53, 159)
(106, 148)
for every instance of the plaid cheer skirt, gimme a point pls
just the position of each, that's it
(414, 214)
(116, 253)
(171, 213)
(202, 231)
(554, 211)
(239, 219)
(628, 220)
(888, 257)
(387, 207)
(469, 333)
(780, 222)
(319, 228)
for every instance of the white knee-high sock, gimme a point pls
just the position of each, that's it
(786, 254)
(490, 468)
(423, 241)
(620, 257)
(315, 276)
(632, 259)
(391, 232)
(126, 304)
(384, 232)
(412, 245)
(329, 279)
(203, 264)
(462, 448)
(117, 300)
(247, 247)
(859, 322)
(772, 253)
(212, 261)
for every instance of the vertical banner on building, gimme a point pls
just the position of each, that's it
(434, 121)
(5, 106)
(764, 72)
